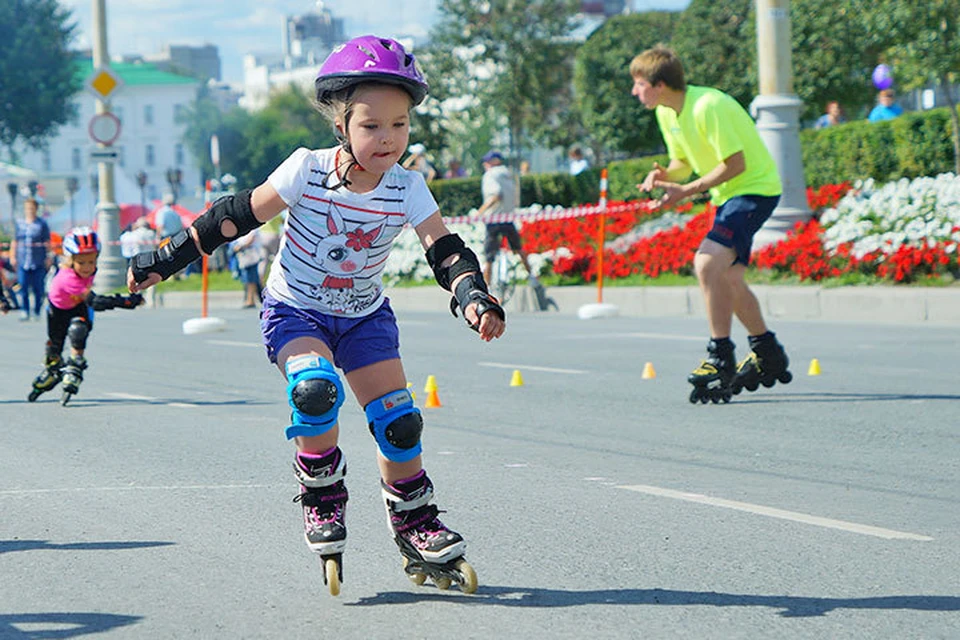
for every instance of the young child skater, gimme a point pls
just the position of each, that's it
(324, 307)
(70, 306)
(708, 132)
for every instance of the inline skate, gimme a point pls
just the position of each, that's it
(72, 373)
(429, 549)
(323, 496)
(767, 364)
(48, 378)
(712, 379)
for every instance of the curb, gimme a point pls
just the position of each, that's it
(872, 305)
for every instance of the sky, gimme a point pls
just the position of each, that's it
(238, 27)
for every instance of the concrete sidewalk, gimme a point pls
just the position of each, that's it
(872, 304)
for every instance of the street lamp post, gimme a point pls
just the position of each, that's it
(174, 177)
(12, 190)
(142, 183)
(73, 185)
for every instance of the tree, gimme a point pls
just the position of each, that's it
(924, 47)
(614, 117)
(38, 77)
(515, 55)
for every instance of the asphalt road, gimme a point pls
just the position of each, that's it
(157, 504)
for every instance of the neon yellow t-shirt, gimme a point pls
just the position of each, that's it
(711, 127)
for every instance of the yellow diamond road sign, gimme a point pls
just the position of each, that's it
(103, 82)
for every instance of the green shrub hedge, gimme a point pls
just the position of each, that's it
(458, 196)
(915, 144)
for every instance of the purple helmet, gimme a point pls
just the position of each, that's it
(370, 58)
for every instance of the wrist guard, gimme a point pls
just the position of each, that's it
(443, 248)
(172, 256)
(473, 289)
(237, 209)
(116, 301)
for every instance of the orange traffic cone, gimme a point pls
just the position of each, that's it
(433, 400)
(648, 372)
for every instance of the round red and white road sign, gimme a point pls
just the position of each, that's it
(104, 128)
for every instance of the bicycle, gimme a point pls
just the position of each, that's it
(504, 276)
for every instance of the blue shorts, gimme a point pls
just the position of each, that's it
(355, 342)
(738, 220)
(250, 275)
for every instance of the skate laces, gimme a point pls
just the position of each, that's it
(322, 506)
(421, 523)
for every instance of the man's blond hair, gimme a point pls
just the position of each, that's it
(659, 64)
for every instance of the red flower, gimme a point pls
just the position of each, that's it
(358, 240)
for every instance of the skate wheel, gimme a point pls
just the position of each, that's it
(736, 389)
(442, 583)
(704, 399)
(469, 584)
(694, 397)
(416, 578)
(726, 398)
(332, 572)
(751, 387)
(33, 396)
(785, 377)
(65, 398)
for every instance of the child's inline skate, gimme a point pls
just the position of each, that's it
(48, 378)
(323, 496)
(766, 364)
(429, 549)
(712, 379)
(72, 372)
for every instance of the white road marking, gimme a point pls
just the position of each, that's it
(530, 367)
(133, 396)
(234, 343)
(771, 512)
(185, 487)
(516, 465)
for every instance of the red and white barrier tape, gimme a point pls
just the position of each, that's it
(553, 213)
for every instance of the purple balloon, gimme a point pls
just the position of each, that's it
(882, 77)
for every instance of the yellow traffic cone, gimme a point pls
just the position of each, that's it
(648, 372)
(517, 379)
(431, 384)
(433, 400)
(413, 394)
(814, 369)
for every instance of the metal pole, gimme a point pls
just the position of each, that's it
(111, 267)
(777, 111)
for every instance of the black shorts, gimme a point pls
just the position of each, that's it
(491, 245)
(738, 220)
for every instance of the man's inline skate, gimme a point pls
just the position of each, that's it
(72, 372)
(323, 496)
(712, 379)
(429, 549)
(767, 364)
(48, 378)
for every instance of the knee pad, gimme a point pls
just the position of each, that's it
(78, 332)
(315, 393)
(395, 424)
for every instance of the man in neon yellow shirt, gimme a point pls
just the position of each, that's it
(708, 133)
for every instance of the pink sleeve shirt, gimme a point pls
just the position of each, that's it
(67, 289)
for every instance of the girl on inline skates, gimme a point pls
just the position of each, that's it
(324, 306)
(70, 306)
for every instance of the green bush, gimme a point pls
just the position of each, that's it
(915, 144)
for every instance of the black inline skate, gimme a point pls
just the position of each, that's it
(712, 379)
(767, 364)
(323, 496)
(72, 372)
(429, 549)
(48, 378)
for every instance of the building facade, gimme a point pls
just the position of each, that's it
(148, 105)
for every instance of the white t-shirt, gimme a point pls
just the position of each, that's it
(335, 242)
(498, 181)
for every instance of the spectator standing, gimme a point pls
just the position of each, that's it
(417, 161)
(578, 162)
(887, 108)
(455, 170)
(30, 256)
(168, 222)
(832, 116)
(248, 251)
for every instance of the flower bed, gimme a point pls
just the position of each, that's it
(902, 232)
